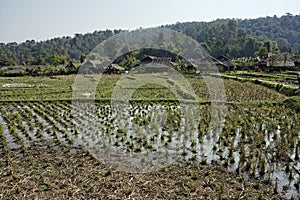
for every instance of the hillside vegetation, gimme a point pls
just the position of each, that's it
(232, 37)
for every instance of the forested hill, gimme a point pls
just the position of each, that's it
(232, 37)
(239, 38)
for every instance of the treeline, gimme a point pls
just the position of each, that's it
(52, 52)
(232, 37)
(245, 38)
(39, 70)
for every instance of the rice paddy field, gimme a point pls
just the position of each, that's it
(285, 77)
(53, 147)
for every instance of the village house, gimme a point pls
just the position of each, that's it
(222, 67)
(280, 60)
(297, 62)
(91, 67)
(190, 68)
(223, 63)
(114, 69)
(230, 65)
(157, 60)
(153, 64)
(276, 62)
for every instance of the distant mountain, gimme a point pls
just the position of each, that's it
(231, 37)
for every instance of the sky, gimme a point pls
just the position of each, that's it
(22, 20)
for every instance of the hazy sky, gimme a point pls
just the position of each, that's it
(44, 19)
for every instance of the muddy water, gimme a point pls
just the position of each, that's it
(8, 137)
(148, 129)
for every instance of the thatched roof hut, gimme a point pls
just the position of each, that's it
(226, 62)
(222, 67)
(114, 69)
(91, 67)
(157, 60)
(280, 60)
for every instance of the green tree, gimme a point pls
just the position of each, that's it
(275, 47)
(129, 61)
(262, 52)
(7, 62)
(250, 48)
(56, 60)
(82, 58)
(41, 71)
(63, 71)
(269, 46)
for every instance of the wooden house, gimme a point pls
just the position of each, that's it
(148, 59)
(152, 64)
(157, 60)
(276, 62)
(114, 69)
(91, 67)
(188, 67)
(297, 62)
(222, 67)
(280, 60)
(71, 67)
(225, 61)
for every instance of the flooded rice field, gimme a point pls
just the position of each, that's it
(259, 142)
